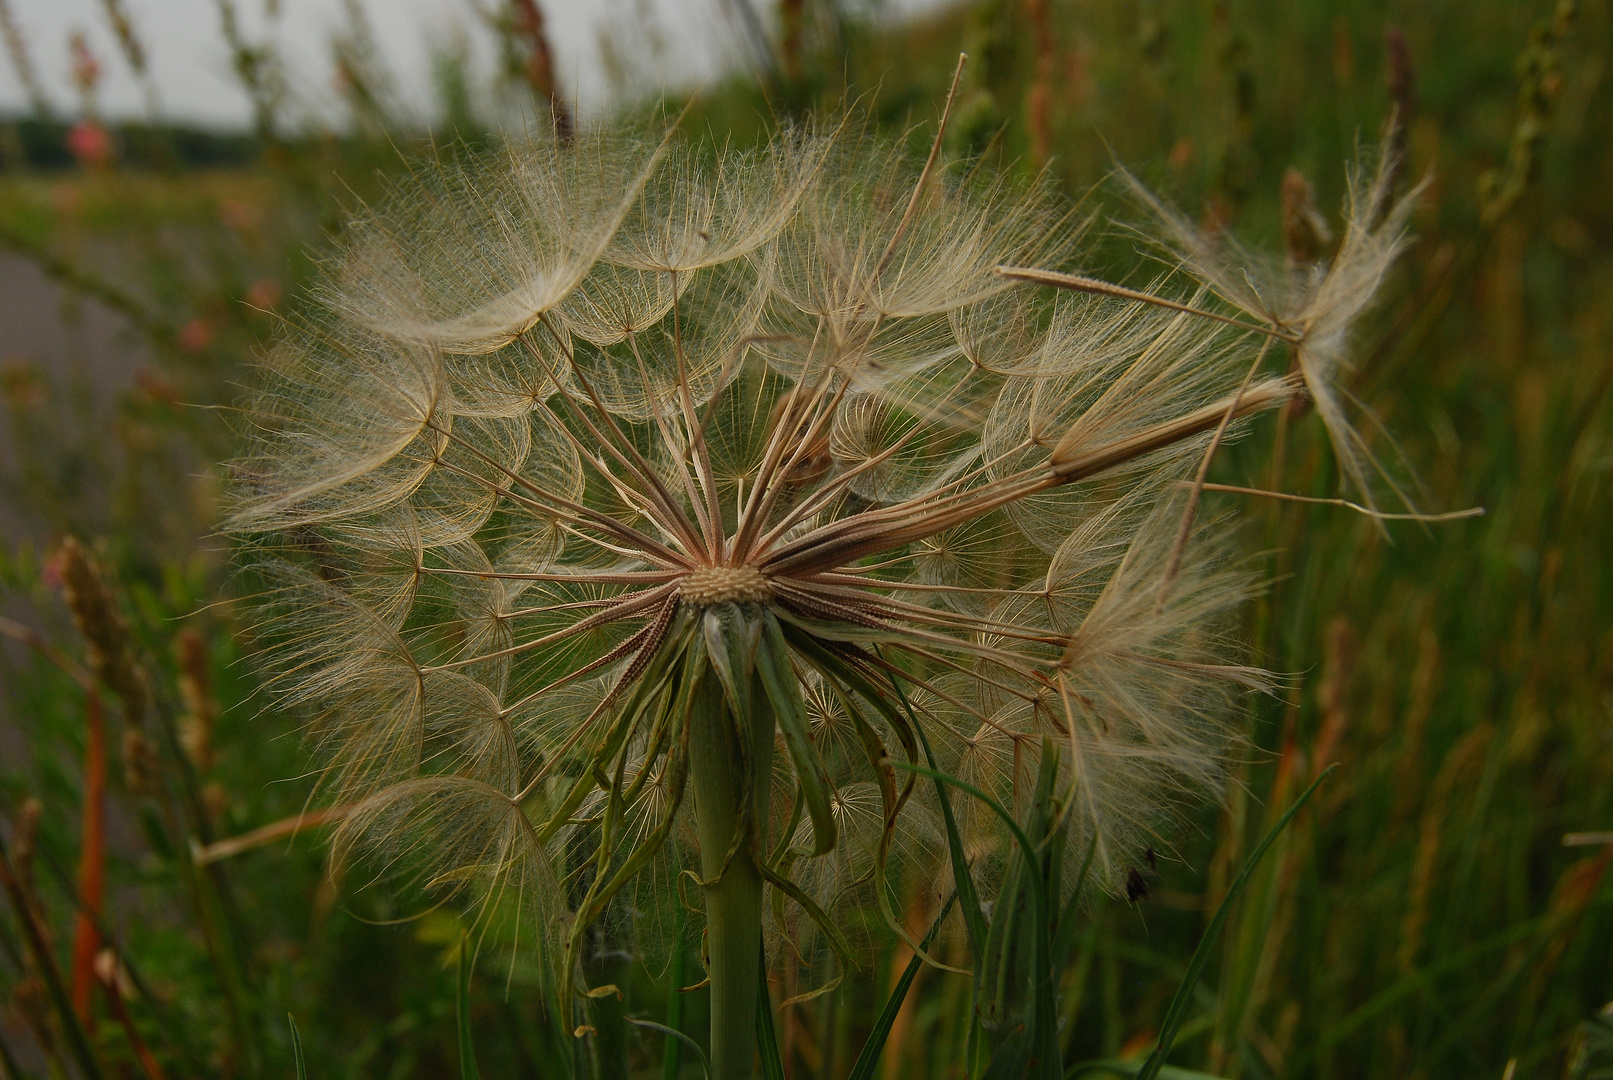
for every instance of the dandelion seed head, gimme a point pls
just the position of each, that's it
(575, 436)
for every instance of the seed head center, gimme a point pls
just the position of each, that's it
(721, 584)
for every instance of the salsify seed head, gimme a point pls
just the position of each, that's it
(1319, 303)
(575, 435)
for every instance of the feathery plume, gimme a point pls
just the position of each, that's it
(1314, 306)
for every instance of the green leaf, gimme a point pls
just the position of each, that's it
(1177, 1011)
(1012, 1059)
(766, 1037)
(296, 1048)
(833, 934)
(784, 692)
(467, 1049)
(863, 1067)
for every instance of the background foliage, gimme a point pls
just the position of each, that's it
(1421, 917)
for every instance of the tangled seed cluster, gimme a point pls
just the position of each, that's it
(571, 434)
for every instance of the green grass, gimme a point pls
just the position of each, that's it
(1420, 916)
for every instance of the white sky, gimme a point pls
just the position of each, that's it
(667, 42)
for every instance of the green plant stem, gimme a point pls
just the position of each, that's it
(734, 899)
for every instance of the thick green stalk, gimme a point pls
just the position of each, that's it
(734, 903)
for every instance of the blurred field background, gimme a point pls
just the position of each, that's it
(1424, 917)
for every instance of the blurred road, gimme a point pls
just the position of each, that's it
(63, 360)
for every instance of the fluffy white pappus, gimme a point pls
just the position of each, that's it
(584, 455)
(1316, 307)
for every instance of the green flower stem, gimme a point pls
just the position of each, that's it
(734, 903)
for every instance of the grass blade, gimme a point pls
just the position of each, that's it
(1025, 844)
(467, 1048)
(1045, 868)
(974, 918)
(863, 1067)
(45, 962)
(1177, 1010)
(1411, 984)
(766, 1037)
(296, 1048)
